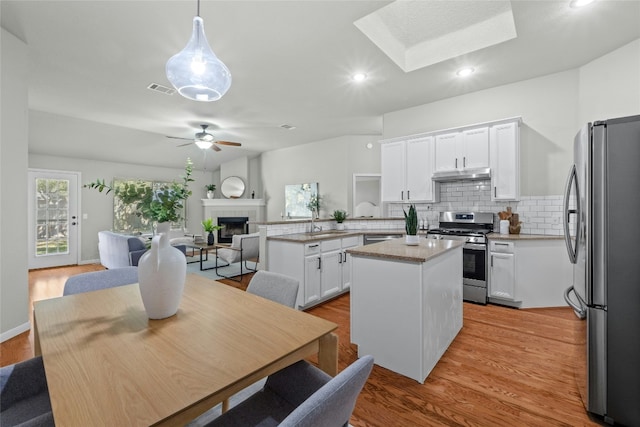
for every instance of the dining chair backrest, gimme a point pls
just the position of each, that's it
(275, 286)
(24, 395)
(102, 279)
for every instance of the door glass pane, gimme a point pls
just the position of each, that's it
(52, 213)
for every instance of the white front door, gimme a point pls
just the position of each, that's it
(53, 218)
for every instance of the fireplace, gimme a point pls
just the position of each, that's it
(232, 225)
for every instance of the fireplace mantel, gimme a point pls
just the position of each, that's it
(233, 203)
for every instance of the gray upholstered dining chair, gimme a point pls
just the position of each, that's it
(102, 279)
(24, 395)
(301, 395)
(275, 286)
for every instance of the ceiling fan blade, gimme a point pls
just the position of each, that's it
(214, 147)
(184, 145)
(234, 144)
(177, 137)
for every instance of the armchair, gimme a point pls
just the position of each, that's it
(244, 247)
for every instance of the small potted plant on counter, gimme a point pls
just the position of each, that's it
(411, 226)
(339, 215)
(208, 226)
(211, 190)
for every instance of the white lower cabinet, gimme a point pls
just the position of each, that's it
(529, 273)
(502, 271)
(323, 268)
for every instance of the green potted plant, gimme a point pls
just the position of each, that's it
(411, 226)
(340, 215)
(160, 205)
(211, 190)
(209, 227)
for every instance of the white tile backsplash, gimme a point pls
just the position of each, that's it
(539, 214)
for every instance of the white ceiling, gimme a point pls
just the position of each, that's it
(290, 61)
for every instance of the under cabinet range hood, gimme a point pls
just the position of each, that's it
(460, 175)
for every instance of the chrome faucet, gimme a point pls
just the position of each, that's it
(314, 227)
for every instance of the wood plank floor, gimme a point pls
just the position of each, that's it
(507, 367)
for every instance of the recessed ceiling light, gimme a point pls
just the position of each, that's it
(359, 77)
(579, 3)
(464, 72)
(287, 127)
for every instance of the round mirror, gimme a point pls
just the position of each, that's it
(232, 187)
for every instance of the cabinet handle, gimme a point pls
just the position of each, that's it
(464, 162)
(491, 260)
(495, 192)
(319, 263)
(456, 163)
(345, 257)
(314, 246)
(340, 258)
(408, 194)
(501, 244)
(402, 195)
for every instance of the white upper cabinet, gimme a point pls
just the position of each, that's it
(468, 149)
(407, 167)
(476, 148)
(505, 161)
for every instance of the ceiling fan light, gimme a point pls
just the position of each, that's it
(195, 71)
(202, 144)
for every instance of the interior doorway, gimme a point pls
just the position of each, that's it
(53, 218)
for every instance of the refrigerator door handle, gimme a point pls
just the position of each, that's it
(580, 311)
(571, 249)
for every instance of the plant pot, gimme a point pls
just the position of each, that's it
(340, 226)
(210, 238)
(412, 239)
(210, 194)
(161, 274)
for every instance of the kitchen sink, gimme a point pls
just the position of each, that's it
(328, 233)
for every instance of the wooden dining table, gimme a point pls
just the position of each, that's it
(107, 363)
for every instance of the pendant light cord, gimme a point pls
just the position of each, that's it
(198, 8)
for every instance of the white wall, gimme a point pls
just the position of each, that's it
(14, 286)
(331, 163)
(99, 207)
(548, 109)
(610, 85)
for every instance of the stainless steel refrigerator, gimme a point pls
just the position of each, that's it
(602, 232)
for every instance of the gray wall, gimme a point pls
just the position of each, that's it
(331, 163)
(14, 286)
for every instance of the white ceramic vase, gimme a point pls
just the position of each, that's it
(210, 194)
(340, 226)
(412, 240)
(161, 273)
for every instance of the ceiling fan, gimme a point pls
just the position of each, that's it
(206, 140)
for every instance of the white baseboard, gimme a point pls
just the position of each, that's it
(89, 261)
(15, 331)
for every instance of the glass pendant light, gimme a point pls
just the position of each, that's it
(196, 72)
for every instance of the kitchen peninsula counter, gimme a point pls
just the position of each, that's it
(406, 302)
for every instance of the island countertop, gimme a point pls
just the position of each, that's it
(397, 249)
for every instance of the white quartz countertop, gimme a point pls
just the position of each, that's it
(397, 249)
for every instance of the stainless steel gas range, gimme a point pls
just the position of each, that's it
(472, 227)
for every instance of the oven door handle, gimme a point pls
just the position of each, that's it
(475, 246)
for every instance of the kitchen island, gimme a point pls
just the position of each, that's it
(406, 302)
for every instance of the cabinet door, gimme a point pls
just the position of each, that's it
(502, 282)
(476, 148)
(392, 167)
(331, 281)
(447, 146)
(505, 161)
(419, 185)
(312, 275)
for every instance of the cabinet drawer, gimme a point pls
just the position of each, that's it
(349, 242)
(501, 247)
(330, 245)
(312, 248)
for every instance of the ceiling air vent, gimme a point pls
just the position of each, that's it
(287, 127)
(162, 89)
